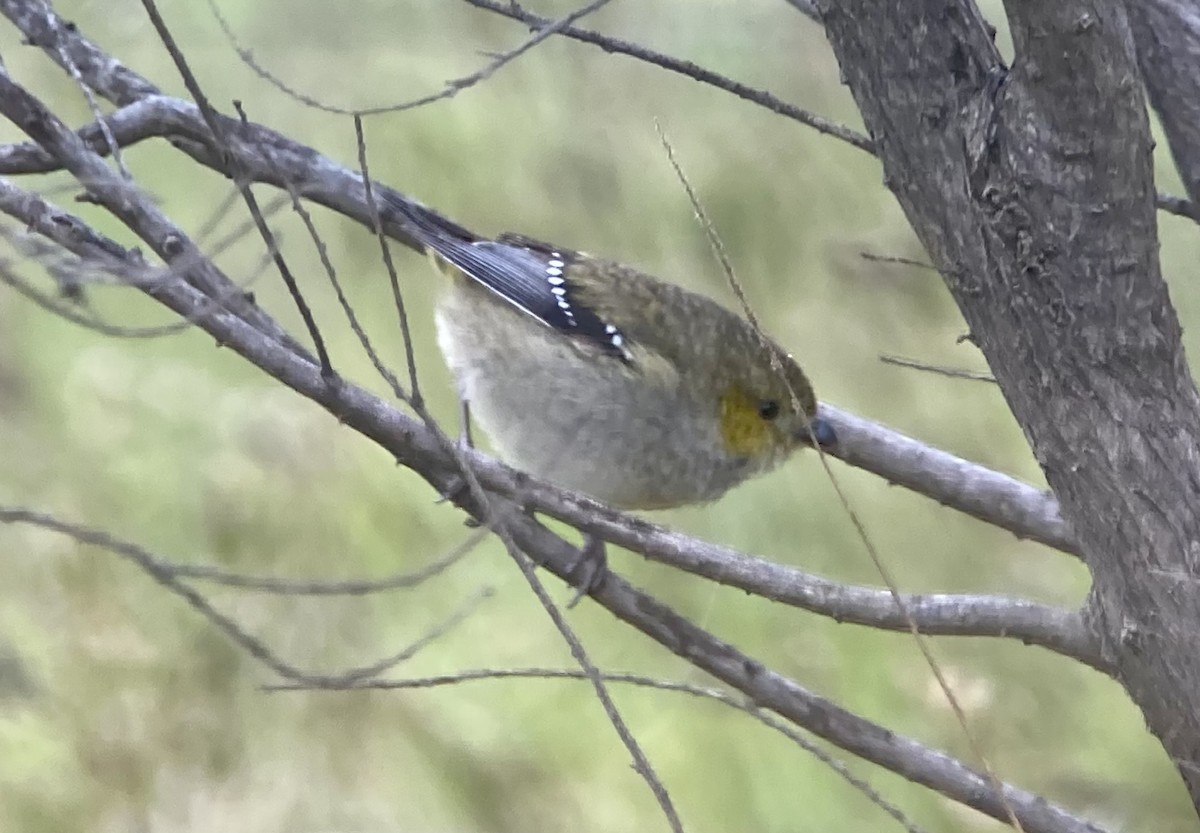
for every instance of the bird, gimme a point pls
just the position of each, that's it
(606, 380)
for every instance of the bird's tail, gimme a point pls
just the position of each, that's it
(421, 228)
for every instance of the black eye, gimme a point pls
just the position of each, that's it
(768, 409)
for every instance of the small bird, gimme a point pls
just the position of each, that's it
(608, 381)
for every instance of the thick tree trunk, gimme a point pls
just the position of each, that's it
(1033, 192)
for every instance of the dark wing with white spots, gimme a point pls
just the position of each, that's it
(536, 279)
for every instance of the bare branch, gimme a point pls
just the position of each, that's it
(364, 673)
(968, 487)
(141, 215)
(151, 564)
(69, 311)
(1178, 206)
(1167, 34)
(451, 88)
(952, 372)
(169, 575)
(685, 68)
(113, 148)
(385, 251)
(344, 302)
(293, 587)
(217, 126)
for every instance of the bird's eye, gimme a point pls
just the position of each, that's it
(768, 409)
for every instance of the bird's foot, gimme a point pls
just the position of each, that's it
(453, 490)
(589, 570)
(465, 439)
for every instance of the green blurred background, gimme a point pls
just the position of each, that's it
(120, 709)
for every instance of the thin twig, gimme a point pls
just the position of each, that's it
(724, 698)
(362, 674)
(151, 564)
(1179, 206)
(952, 372)
(385, 252)
(685, 68)
(69, 312)
(217, 128)
(73, 70)
(83, 270)
(895, 260)
(168, 575)
(339, 291)
(293, 587)
(216, 216)
(450, 89)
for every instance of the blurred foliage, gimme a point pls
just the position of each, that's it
(121, 709)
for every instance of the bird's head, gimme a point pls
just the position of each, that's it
(767, 409)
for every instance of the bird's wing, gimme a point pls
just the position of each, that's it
(536, 278)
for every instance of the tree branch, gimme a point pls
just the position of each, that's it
(450, 89)
(170, 576)
(1167, 34)
(718, 695)
(688, 69)
(975, 490)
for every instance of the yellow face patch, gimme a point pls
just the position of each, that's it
(743, 429)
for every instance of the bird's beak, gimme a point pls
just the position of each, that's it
(820, 432)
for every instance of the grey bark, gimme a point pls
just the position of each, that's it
(1033, 192)
(1167, 34)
